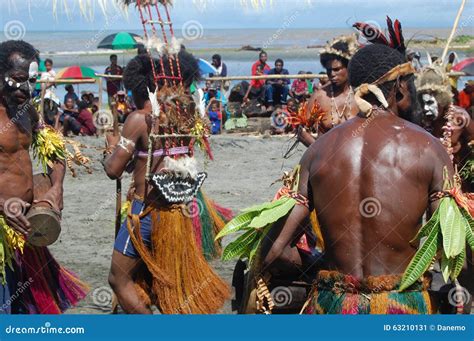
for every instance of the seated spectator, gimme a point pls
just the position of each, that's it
(70, 93)
(88, 97)
(221, 68)
(310, 83)
(215, 116)
(68, 118)
(323, 80)
(123, 106)
(276, 87)
(465, 96)
(299, 88)
(85, 119)
(215, 94)
(256, 88)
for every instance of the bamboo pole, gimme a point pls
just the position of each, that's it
(235, 78)
(69, 81)
(100, 93)
(43, 92)
(453, 31)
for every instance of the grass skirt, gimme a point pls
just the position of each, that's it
(46, 286)
(336, 293)
(177, 278)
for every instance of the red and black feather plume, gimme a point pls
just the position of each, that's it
(398, 33)
(371, 33)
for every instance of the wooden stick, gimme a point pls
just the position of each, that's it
(69, 81)
(43, 91)
(453, 31)
(99, 81)
(118, 202)
(235, 78)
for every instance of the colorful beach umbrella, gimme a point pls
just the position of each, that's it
(205, 66)
(76, 72)
(466, 66)
(119, 41)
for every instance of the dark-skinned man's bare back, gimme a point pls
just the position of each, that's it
(371, 201)
(370, 180)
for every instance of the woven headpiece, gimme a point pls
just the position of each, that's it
(342, 46)
(434, 80)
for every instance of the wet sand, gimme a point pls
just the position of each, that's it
(240, 176)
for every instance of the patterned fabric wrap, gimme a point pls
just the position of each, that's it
(337, 293)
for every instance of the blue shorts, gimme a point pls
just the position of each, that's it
(123, 243)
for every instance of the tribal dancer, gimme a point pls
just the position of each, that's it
(455, 129)
(31, 281)
(336, 99)
(404, 172)
(156, 259)
(440, 117)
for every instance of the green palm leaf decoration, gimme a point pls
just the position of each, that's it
(454, 232)
(240, 246)
(257, 220)
(426, 229)
(447, 231)
(237, 224)
(421, 261)
(270, 216)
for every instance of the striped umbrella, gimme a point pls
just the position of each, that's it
(76, 72)
(119, 41)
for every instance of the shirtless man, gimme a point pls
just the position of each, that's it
(18, 72)
(336, 98)
(372, 195)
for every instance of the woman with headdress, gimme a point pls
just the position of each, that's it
(336, 99)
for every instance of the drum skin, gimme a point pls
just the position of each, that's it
(45, 222)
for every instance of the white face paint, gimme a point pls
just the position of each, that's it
(32, 75)
(430, 106)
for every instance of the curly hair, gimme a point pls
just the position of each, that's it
(372, 62)
(10, 47)
(138, 75)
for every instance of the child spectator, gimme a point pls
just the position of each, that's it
(215, 116)
(123, 106)
(85, 119)
(70, 94)
(299, 88)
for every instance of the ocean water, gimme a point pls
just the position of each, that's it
(68, 48)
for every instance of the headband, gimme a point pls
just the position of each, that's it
(365, 88)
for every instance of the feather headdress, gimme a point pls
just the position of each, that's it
(375, 36)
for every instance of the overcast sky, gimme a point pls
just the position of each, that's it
(231, 14)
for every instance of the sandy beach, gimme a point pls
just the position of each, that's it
(240, 176)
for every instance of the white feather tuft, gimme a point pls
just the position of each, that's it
(154, 102)
(184, 166)
(175, 45)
